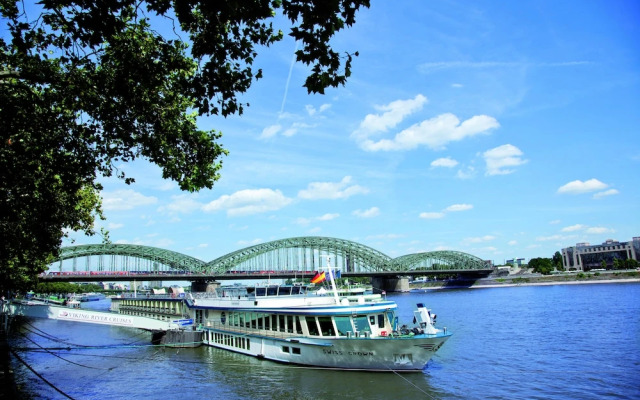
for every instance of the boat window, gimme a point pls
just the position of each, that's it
(285, 290)
(254, 317)
(311, 325)
(285, 349)
(260, 317)
(393, 320)
(298, 325)
(372, 320)
(281, 323)
(272, 291)
(241, 317)
(295, 350)
(261, 291)
(362, 324)
(274, 322)
(381, 320)
(295, 290)
(267, 322)
(290, 323)
(343, 324)
(326, 326)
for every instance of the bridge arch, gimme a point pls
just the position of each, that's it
(302, 253)
(159, 258)
(439, 260)
(308, 253)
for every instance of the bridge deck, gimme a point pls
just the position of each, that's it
(261, 275)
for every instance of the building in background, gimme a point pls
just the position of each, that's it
(584, 257)
(515, 262)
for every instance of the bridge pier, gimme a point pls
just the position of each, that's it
(390, 284)
(204, 286)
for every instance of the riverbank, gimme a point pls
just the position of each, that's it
(533, 280)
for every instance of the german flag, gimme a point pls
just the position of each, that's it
(320, 276)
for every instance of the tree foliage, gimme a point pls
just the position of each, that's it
(86, 85)
(541, 265)
(557, 261)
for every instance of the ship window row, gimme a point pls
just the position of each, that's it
(269, 322)
(230, 340)
(315, 325)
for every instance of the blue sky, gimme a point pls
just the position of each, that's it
(502, 129)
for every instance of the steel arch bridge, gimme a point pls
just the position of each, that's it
(130, 257)
(438, 260)
(303, 254)
(309, 253)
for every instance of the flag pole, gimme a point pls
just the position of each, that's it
(333, 282)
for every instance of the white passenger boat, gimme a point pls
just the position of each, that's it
(288, 324)
(90, 297)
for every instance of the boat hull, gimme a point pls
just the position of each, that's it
(409, 353)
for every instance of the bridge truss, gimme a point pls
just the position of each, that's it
(126, 257)
(305, 254)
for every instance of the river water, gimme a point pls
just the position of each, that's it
(533, 342)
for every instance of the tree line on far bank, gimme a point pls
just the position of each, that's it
(547, 265)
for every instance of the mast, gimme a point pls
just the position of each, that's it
(333, 282)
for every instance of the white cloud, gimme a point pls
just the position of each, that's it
(249, 201)
(432, 215)
(599, 230)
(370, 213)
(512, 242)
(434, 133)
(500, 159)
(270, 131)
(392, 114)
(293, 129)
(480, 239)
(605, 193)
(457, 85)
(113, 226)
(311, 110)
(446, 162)
(247, 243)
(435, 66)
(303, 221)
(125, 199)
(552, 237)
(384, 236)
(332, 190)
(578, 187)
(466, 173)
(181, 204)
(451, 208)
(458, 207)
(328, 217)
(573, 228)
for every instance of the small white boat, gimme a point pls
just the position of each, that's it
(72, 303)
